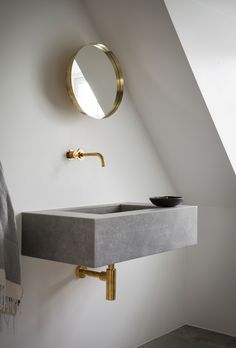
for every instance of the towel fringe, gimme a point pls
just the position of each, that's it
(8, 305)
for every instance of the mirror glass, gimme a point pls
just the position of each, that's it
(94, 81)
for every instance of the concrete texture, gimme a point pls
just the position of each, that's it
(192, 337)
(99, 235)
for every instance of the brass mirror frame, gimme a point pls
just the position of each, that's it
(119, 79)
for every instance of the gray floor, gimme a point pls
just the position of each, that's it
(192, 337)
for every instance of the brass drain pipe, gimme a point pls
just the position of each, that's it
(109, 277)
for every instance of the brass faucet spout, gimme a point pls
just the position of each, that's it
(93, 154)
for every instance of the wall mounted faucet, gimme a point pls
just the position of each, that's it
(80, 154)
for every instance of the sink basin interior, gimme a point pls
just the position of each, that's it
(109, 209)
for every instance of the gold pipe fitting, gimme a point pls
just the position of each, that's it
(80, 154)
(109, 277)
(111, 283)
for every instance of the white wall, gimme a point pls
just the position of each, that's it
(37, 125)
(206, 30)
(170, 104)
(166, 95)
(211, 282)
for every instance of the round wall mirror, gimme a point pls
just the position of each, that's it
(95, 81)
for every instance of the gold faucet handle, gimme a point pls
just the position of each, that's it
(75, 154)
(80, 154)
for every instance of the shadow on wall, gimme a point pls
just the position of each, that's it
(52, 76)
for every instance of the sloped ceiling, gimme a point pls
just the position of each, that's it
(164, 91)
(206, 29)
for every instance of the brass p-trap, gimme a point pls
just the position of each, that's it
(109, 277)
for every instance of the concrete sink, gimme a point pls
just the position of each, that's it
(99, 235)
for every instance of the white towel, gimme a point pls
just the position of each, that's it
(10, 277)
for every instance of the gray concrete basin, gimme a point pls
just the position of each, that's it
(99, 235)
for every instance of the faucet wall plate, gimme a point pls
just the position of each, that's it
(100, 235)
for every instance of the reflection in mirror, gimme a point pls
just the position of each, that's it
(84, 93)
(95, 81)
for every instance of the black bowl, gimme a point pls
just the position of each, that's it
(166, 201)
